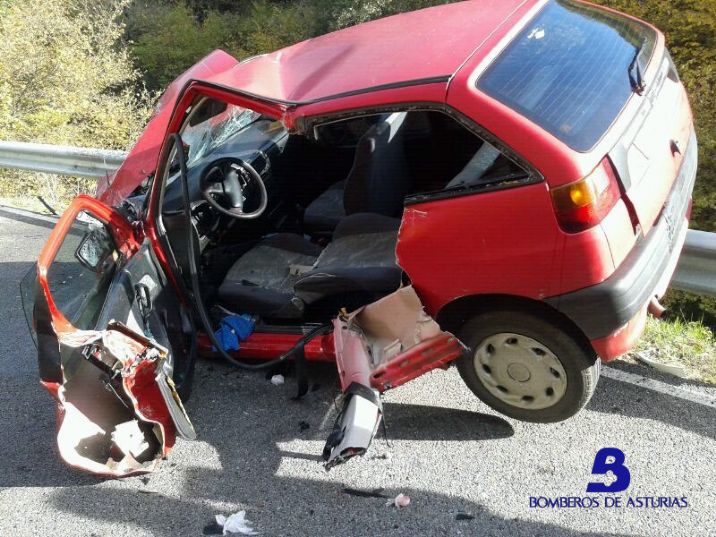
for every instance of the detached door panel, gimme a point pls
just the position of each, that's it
(101, 315)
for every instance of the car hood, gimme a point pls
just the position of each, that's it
(141, 162)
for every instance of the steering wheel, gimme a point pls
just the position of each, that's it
(226, 184)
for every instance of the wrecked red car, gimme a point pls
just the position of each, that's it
(504, 185)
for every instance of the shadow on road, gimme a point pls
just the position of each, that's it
(418, 422)
(624, 399)
(248, 422)
(331, 513)
(28, 217)
(248, 442)
(27, 442)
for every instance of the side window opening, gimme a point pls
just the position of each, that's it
(82, 271)
(439, 152)
(487, 166)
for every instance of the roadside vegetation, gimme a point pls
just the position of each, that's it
(688, 344)
(86, 73)
(66, 77)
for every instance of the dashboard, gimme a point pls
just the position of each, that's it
(258, 144)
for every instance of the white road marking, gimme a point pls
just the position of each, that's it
(661, 387)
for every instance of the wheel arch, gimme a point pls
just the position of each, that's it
(453, 315)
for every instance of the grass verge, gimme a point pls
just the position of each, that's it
(690, 344)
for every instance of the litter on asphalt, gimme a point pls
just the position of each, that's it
(236, 523)
(401, 500)
(277, 380)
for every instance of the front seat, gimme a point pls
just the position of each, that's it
(377, 183)
(284, 274)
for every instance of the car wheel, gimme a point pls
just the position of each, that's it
(527, 367)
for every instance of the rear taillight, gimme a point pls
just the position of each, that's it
(583, 204)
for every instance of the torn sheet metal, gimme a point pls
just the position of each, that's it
(391, 341)
(118, 412)
(378, 347)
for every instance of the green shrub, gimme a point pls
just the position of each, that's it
(65, 78)
(167, 39)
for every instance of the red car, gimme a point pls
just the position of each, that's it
(503, 184)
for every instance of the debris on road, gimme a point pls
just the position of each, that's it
(303, 426)
(236, 523)
(277, 380)
(464, 516)
(375, 493)
(401, 500)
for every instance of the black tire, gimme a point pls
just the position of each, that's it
(578, 359)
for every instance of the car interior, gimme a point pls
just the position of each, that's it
(292, 227)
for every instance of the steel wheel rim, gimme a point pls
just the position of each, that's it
(520, 371)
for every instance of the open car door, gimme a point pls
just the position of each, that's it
(112, 339)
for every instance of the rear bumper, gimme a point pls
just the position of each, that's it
(616, 305)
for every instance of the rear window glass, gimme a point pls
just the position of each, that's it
(568, 70)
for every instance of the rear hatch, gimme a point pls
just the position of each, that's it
(574, 69)
(652, 152)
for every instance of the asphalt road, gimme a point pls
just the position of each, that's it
(450, 453)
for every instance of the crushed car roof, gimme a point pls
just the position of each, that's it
(419, 46)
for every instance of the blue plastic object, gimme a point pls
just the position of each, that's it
(233, 330)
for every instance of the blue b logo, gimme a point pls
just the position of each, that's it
(610, 460)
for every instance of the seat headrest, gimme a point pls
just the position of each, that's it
(390, 124)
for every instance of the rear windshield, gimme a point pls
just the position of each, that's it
(569, 70)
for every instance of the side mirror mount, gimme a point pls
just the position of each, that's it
(95, 248)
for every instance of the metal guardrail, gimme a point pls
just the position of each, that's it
(62, 160)
(696, 271)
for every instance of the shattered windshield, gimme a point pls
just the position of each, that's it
(209, 125)
(204, 137)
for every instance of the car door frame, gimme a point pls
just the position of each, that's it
(50, 322)
(194, 89)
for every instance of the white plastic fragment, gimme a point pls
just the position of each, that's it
(235, 523)
(277, 380)
(401, 500)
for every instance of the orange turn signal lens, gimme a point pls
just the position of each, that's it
(583, 204)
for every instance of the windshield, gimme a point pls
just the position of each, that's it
(571, 70)
(209, 125)
(202, 138)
